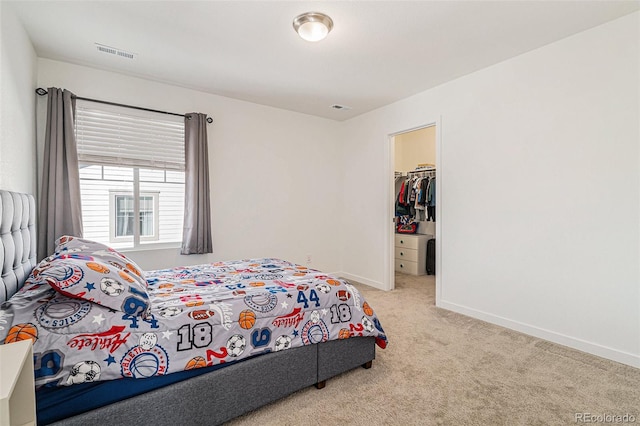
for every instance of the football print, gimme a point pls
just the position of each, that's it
(201, 314)
(343, 295)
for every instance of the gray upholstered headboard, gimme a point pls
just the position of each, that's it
(17, 240)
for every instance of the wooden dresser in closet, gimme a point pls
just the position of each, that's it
(411, 253)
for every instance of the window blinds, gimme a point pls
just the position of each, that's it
(115, 137)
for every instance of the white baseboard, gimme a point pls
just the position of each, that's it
(362, 280)
(572, 342)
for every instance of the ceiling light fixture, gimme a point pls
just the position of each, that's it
(313, 26)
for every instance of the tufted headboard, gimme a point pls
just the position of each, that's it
(17, 241)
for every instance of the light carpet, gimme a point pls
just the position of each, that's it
(443, 368)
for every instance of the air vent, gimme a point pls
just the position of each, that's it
(115, 51)
(340, 107)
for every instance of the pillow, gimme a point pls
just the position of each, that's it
(74, 245)
(85, 269)
(84, 277)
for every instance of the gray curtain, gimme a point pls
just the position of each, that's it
(60, 211)
(196, 235)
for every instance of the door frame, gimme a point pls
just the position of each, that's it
(390, 214)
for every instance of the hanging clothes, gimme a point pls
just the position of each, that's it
(431, 200)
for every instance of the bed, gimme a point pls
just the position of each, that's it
(201, 345)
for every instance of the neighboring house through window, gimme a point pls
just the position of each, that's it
(131, 176)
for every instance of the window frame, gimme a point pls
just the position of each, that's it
(137, 237)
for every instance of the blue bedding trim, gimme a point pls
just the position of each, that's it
(57, 403)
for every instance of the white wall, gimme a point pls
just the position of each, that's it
(540, 190)
(274, 173)
(17, 105)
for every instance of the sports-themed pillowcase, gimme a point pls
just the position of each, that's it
(84, 277)
(70, 245)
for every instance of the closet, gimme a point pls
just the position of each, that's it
(415, 200)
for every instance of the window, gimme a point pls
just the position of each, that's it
(122, 216)
(131, 176)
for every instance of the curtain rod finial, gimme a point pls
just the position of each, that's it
(209, 120)
(40, 91)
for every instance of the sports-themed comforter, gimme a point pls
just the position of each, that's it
(94, 315)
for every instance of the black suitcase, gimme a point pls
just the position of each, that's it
(431, 256)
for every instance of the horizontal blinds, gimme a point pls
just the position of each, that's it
(118, 138)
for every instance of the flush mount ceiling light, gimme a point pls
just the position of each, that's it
(313, 26)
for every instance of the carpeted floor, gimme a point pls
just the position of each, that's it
(442, 368)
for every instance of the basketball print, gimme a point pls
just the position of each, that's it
(333, 282)
(195, 362)
(314, 332)
(367, 309)
(25, 331)
(63, 276)
(141, 363)
(247, 319)
(262, 301)
(84, 371)
(111, 287)
(61, 312)
(125, 276)
(236, 345)
(344, 333)
(98, 267)
(133, 269)
(144, 365)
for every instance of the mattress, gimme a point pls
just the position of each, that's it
(93, 315)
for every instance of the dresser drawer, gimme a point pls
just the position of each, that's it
(412, 241)
(403, 253)
(408, 267)
(408, 241)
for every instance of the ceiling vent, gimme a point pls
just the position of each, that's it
(340, 107)
(115, 51)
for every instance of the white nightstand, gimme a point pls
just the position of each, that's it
(17, 389)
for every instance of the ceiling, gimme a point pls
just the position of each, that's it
(378, 52)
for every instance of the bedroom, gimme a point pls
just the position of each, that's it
(546, 136)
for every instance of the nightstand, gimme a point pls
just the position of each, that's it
(17, 389)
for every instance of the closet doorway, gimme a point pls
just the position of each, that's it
(414, 161)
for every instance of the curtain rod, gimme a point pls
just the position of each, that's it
(41, 92)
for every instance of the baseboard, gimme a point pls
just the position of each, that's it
(561, 339)
(361, 280)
